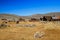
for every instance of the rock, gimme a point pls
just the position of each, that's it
(39, 34)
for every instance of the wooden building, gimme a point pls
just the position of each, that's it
(33, 20)
(46, 18)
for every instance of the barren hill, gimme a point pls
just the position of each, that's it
(9, 16)
(47, 14)
(53, 14)
(15, 17)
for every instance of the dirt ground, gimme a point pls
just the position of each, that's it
(51, 29)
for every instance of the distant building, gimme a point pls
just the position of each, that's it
(50, 18)
(46, 18)
(56, 18)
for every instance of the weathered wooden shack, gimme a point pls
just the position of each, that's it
(46, 18)
(33, 20)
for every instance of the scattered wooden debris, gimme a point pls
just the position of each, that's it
(39, 34)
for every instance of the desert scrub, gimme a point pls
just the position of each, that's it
(4, 25)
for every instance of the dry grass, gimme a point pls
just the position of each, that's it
(51, 29)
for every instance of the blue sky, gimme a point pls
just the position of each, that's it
(29, 7)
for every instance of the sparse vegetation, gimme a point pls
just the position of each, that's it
(26, 30)
(51, 30)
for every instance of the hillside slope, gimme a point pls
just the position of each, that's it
(10, 16)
